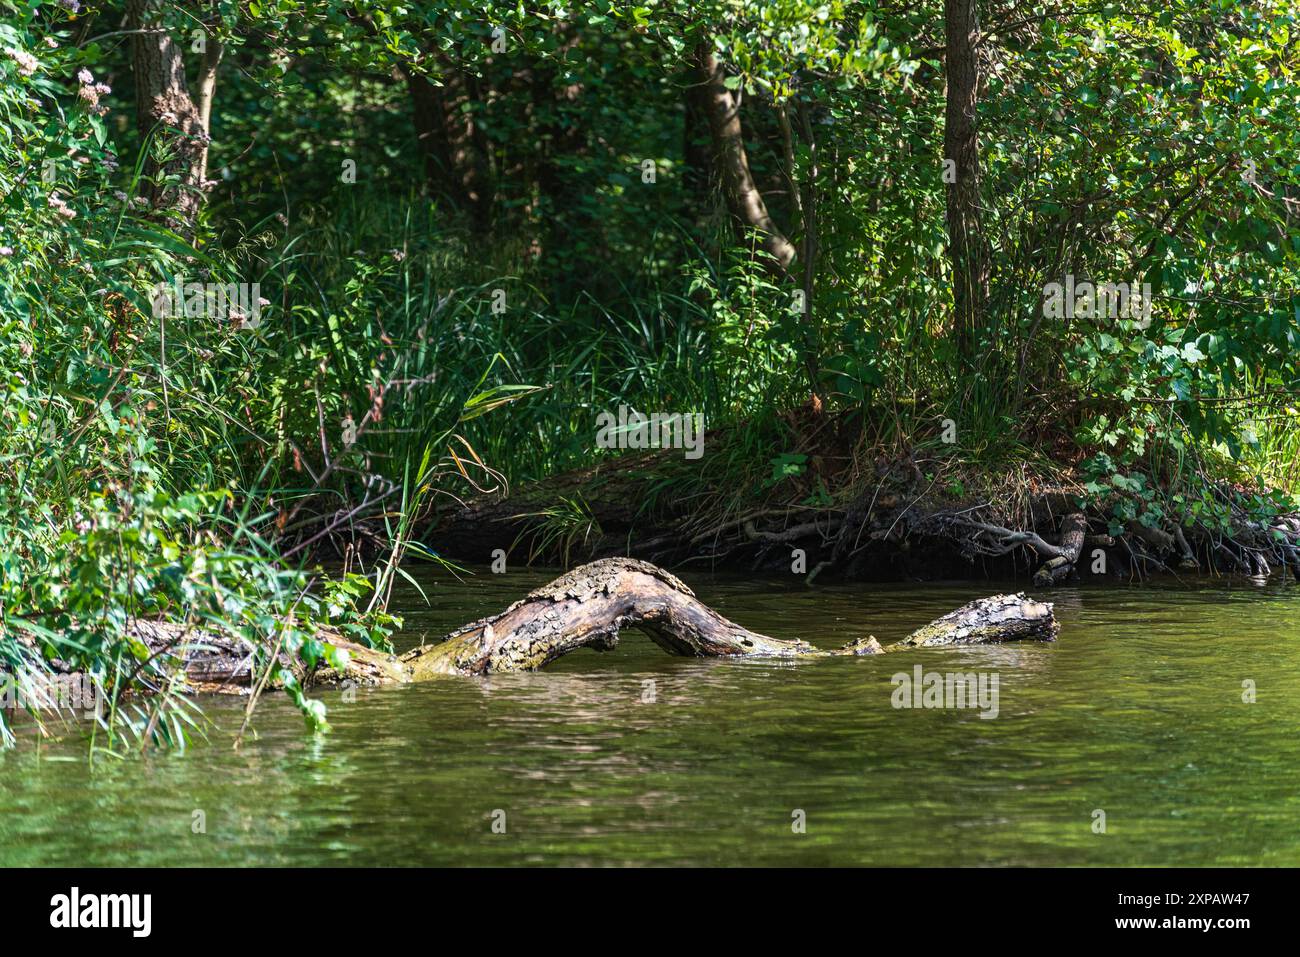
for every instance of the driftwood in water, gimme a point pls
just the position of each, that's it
(996, 619)
(586, 608)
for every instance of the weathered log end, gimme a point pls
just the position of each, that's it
(986, 621)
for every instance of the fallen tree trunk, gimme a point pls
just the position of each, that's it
(584, 608)
(997, 619)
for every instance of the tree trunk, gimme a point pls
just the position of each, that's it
(807, 208)
(452, 143)
(743, 198)
(699, 165)
(207, 90)
(173, 170)
(967, 254)
(570, 226)
(585, 608)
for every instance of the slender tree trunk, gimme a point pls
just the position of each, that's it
(743, 198)
(811, 245)
(966, 250)
(207, 90)
(453, 143)
(787, 154)
(173, 170)
(570, 223)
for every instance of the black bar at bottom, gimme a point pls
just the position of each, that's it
(335, 907)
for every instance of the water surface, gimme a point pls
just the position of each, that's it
(1136, 712)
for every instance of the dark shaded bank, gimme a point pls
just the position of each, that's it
(901, 525)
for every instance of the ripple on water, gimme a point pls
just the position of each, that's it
(1137, 711)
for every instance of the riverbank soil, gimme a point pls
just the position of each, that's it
(833, 511)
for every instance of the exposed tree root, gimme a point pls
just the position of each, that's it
(1061, 558)
(898, 529)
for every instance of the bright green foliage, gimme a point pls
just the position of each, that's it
(120, 438)
(188, 468)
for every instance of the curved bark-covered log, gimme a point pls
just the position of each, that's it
(587, 606)
(584, 608)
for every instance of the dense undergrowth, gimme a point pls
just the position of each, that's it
(406, 350)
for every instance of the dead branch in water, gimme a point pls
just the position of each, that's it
(584, 608)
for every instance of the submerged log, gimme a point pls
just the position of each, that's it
(584, 608)
(588, 606)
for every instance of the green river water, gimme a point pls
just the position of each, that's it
(1136, 712)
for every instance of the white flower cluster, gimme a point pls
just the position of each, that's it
(27, 64)
(90, 92)
(60, 206)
